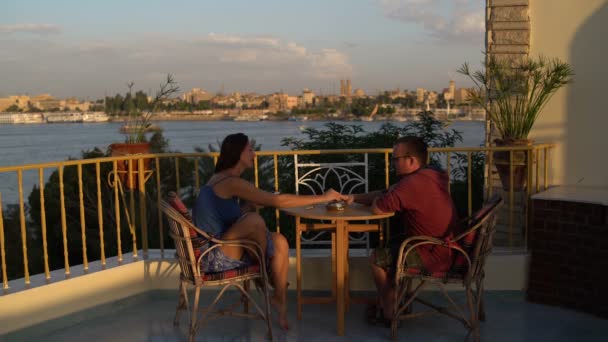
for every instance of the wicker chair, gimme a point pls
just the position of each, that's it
(184, 234)
(470, 250)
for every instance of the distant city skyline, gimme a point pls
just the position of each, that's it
(92, 49)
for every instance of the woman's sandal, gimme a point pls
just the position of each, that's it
(372, 314)
(375, 316)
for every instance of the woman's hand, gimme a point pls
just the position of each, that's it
(332, 195)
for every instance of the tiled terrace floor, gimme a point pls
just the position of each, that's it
(149, 317)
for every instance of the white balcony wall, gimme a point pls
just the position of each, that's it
(576, 117)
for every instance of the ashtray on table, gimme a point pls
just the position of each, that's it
(336, 206)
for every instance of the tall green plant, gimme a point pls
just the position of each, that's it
(514, 94)
(138, 123)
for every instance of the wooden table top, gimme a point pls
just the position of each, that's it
(353, 212)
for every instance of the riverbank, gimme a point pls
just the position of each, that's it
(197, 117)
(226, 115)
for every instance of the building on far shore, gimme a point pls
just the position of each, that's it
(73, 104)
(277, 102)
(449, 93)
(345, 88)
(308, 98)
(196, 95)
(461, 96)
(432, 97)
(292, 102)
(21, 101)
(43, 102)
(359, 92)
(420, 95)
(252, 100)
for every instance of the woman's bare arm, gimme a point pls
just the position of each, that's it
(243, 189)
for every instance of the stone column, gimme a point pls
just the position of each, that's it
(508, 29)
(507, 39)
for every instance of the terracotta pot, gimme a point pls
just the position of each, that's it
(122, 166)
(502, 161)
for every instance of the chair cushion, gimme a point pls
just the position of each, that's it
(233, 273)
(178, 205)
(197, 241)
(467, 243)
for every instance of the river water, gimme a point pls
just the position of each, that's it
(38, 143)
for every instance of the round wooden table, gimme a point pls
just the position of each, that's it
(353, 212)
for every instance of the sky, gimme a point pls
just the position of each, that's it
(93, 48)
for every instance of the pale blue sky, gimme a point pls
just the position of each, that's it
(92, 48)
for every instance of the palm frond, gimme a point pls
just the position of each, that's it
(514, 94)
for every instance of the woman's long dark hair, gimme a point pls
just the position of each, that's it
(230, 152)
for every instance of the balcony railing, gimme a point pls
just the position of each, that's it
(130, 221)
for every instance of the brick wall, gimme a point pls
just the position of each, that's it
(569, 261)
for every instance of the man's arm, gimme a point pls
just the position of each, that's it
(375, 208)
(367, 198)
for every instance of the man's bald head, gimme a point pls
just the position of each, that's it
(415, 147)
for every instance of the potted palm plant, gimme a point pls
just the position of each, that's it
(513, 95)
(138, 123)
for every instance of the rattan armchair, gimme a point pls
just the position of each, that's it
(470, 250)
(189, 259)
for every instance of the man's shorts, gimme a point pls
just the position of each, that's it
(386, 257)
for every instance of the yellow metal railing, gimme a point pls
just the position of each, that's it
(124, 200)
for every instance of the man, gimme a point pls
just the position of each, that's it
(425, 207)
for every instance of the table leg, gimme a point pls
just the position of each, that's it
(346, 269)
(340, 256)
(333, 265)
(298, 269)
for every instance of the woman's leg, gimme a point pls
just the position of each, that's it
(280, 267)
(250, 226)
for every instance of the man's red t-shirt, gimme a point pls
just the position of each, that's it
(426, 208)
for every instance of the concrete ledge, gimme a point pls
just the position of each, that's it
(578, 194)
(505, 270)
(39, 304)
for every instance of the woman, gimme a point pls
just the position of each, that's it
(218, 212)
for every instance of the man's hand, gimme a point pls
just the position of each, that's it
(349, 199)
(333, 195)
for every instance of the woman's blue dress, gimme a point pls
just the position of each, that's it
(215, 215)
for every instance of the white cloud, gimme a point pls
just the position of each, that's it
(272, 52)
(41, 29)
(330, 64)
(445, 20)
(92, 68)
(239, 56)
(242, 40)
(471, 22)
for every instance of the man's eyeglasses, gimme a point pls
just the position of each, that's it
(395, 158)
